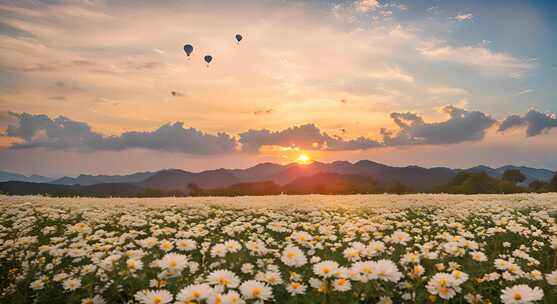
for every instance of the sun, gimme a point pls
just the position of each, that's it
(303, 159)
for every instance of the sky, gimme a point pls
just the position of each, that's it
(106, 87)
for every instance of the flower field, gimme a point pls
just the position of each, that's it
(280, 249)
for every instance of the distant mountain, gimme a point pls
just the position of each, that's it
(85, 179)
(174, 179)
(418, 178)
(6, 176)
(258, 172)
(98, 190)
(531, 174)
(318, 177)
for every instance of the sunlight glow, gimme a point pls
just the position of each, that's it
(303, 159)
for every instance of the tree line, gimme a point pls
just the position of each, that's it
(480, 183)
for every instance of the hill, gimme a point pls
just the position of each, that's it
(85, 179)
(169, 180)
(6, 176)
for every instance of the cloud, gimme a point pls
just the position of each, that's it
(478, 57)
(461, 126)
(525, 91)
(391, 74)
(62, 133)
(306, 136)
(463, 17)
(536, 122)
(365, 6)
(40, 131)
(446, 91)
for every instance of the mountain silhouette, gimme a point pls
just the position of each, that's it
(363, 176)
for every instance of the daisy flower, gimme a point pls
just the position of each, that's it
(223, 278)
(72, 284)
(173, 262)
(232, 297)
(442, 284)
(552, 278)
(166, 245)
(296, 288)
(325, 269)
(521, 294)
(94, 300)
(153, 296)
(186, 245)
(134, 265)
(37, 284)
(219, 250)
(341, 285)
(294, 257)
(195, 292)
(386, 270)
(256, 290)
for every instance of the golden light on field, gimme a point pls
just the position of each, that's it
(303, 159)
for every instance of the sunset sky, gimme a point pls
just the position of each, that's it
(105, 86)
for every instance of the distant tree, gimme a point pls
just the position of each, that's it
(553, 182)
(539, 186)
(398, 188)
(194, 190)
(476, 183)
(513, 175)
(461, 177)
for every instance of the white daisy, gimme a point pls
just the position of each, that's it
(521, 294)
(153, 296)
(256, 290)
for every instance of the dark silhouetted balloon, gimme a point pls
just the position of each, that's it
(239, 38)
(208, 59)
(188, 48)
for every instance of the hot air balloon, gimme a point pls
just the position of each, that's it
(188, 48)
(208, 59)
(239, 38)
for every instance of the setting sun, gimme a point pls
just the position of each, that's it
(303, 159)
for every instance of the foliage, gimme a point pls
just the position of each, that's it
(539, 186)
(478, 183)
(513, 175)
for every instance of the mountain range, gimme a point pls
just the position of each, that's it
(292, 178)
(6, 176)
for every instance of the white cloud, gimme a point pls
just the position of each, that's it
(365, 6)
(478, 57)
(525, 92)
(463, 17)
(391, 73)
(446, 91)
